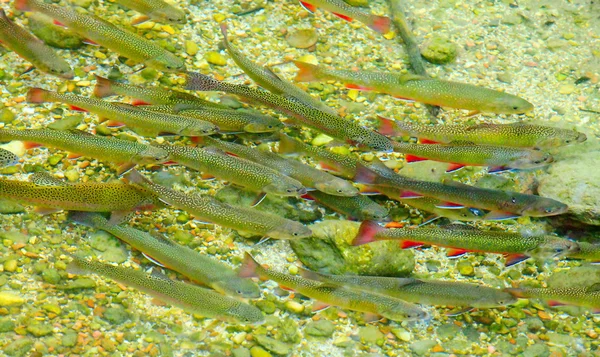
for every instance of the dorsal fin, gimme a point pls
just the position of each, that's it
(45, 179)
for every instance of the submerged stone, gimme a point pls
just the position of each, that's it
(272, 345)
(56, 36)
(19, 347)
(320, 328)
(116, 315)
(439, 50)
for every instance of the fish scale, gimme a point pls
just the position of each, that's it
(156, 10)
(335, 126)
(32, 49)
(580, 296)
(358, 207)
(191, 298)
(196, 266)
(104, 33)
(236, 170)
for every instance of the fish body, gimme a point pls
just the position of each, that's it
(307, 175)
(233, 120)
(513, 135)
(264, 77)
(428, 292)
(189, 297)
(462, 239)
(335, 126)
(467, 154)
(151, 123)
(104, 33)
(208, 209)
(198, 267)
(236, 170)
(587, 251)
(337, 295)
(149, 95)
(421, 89)
(157, 10)
(357, 207)
(82, 143)
(431, 205)
(8, 158)
(581, 296)
(347, 12)
(32, 49)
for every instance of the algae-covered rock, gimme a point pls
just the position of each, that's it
(10, 299)
(329, 250)
(69, 339)
(43, 27)
(302, 38)
(69, 122)
(116, 315)
(439, 50)
(39, 329)
(420, 348)
(6, 325)
(19, 347)
(79, 283)
(370, 335)
(110, 248)
(575, 277)
(272, 345)
(320, 328)
(9, 207)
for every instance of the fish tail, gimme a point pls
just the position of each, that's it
(366, 233)
(249, 267)
(364, 174)
(37, 95)
(201, 82)
(103, 87)
(308, 72)
(386, 126)
(22, 5)
(309, 274)
(134, 177)
(288, 145)
(223, 27)
(516, 292)
(380, 24)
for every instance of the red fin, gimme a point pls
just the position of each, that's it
(307, 197)
(406, 244)
(356, 86)
(343, 17)
(364, 174)
(410, 100)
(449, 205)
(205, 176)
(555, 303)
(114, 124)
(366, 233)
(456, 252)
(512, 259)
(454, 167)
(326, 167)
(386, 126)
(286, 288)
(138, 102)
(380, 24)
(22, 5)
(103, 87)
(248, 268)
(37, 95)
(498, 169)
(58, 23)
(319, 306)
(169, 163)
(413, 158)
(308, 7)
(306, 73)
(499, 216)
(73, 156)
(409, 194)
(30, 145)
(428, 141)
(368, 190)
(74, 107)
(139, 20)
(87, 41)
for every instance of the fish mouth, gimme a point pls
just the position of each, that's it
(581, 138)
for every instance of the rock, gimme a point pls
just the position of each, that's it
(14, 236)
(370, 335)
(534, 324)
(191, 48)
(303, 38)
(116, 315)
(69, 122)
(266, 306)
(320, 328)
(79, 283)
(329, 251)
(420, 348)
(240, 352)
(39, 329)
(272, 345)
(575, 277)
(6, 325)
(259, 352)
(54, 159)
(448, 331)
(9, 299)
(19, 347)
(465, 268)
(536, 350)
(110, 247)
(51, 276)
(215, 58)
(9, 207)
(56, 36)
(439, 50)
(7, 116)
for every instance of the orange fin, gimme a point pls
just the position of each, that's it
(555, 303)
(380, 24)
(428, 141)
(306, 72)
(114, 124)
(409, 194)
(138, 102)
(87, 41)
(366, 233)
(413, 158)
(140, 20)
(309, 7)
(406, 244)
(356, 86)
(343, 17)
(456, 252)
(73, 156)
(30, 145)
(58, 23)
(76, 108)
(319, 306)
(454, 167)
(512, 259)
(248, 267)
(386, 126)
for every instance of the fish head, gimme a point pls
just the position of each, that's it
(403, 312)
(374, 213)
(235, 286)
(337, 187)
(531, 159)
(171, 15)
(490, 298)
(262, 127)
(151, 155)
(285, 188)
(565, 137)
(166, 62)
(509, 104)
(541, 207)
(61, 70)
(202, 129)
(290, 230)
(555, 247)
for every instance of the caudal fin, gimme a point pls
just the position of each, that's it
(364, 174)
(223, 27)
(380, 24)
(200, 82)
(37, 95)
(248, 267)
(387, 126)
(366, 233)
(289, 145)
(135, 177)
(22, 5)
(103, 87)
(307, 73)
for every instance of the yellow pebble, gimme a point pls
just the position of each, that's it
(146, 25)
(353, 94)
(294, 306)
(99, 55)
(10, 265)
(390, 35)
(168, 29)
(191, 48)
(215, 58)
(566, 89)
(83, 83)
(259, 352)
(8, 299)
(218, 17)
(309, 59)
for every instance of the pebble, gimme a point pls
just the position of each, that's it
(312, 59)
(39, 329)
(259, 352)
(465, 268)
(215, 58)
(321, 328)
(272, 345)
(10, 299)
(10, 265)
(566, 89)
(294, 306)
(191, 48)
(303, 38)
(439, 50)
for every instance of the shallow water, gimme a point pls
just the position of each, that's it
(547, 52)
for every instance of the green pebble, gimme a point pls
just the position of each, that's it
(439, 50)
(39, 329)
(272, 345)
(39, 267)
(51, 276)
(69, 339)
(516, 313)
(534, 324)
(72, 175)
(149, 74)
(10, 170)
(54, 308)
(212, 250)
(67, 123)
(183, 217)
(115, 74)
(321, 328)
(240, 352)
(215, 58)
(465, 268)
(266, 306)
(54, 159)
(6, 116)
(103, 130)
(10, 265)
(420, 348)
(116, 315)
(19, 347)
(259, 352)
(191, 48)
(321, 139)
(60, 265)
(9, 207)
(370, 335)
(53, 35)
(6, 325)
(79, 283)
(83, 3)
(359, 3)
(183, 237)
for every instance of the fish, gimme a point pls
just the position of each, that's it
(461, 154)
(357, 207)
(190, 263)
(53, 195)
(588, 297)
(332, 125)
(228, 120)
(420, 291)
(145, 122)
(347, 12)
(512, 135)
(587, 251)
(157, 10)
(8, 158)
(429, 204)
(32, 49)
(191, 298)
(104, 33)
(462, 239)
(267, 79)
(336, 295)
(123, 152)
(209, 209)
(310, 177)
(420, 88)
(149, 95)
(454, 195)
(235, 170)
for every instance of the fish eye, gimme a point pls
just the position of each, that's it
(270, 126)
(558, 250)
(548, 210)
(568, 141)
(513, 200)
(295, 234)
(515, 107)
